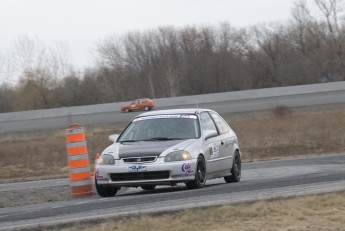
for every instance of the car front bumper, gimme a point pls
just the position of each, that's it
(137, 174)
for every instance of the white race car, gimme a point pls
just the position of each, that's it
(167, 147)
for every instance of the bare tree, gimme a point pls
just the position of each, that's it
(6, 98)
(111, 53)
(169, 57)
(29, 54)
(2, 66)
(265, 45)
(332, 30)
(232, 69)
(321, 39)
(39, 69)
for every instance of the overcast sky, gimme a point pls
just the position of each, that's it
(82, 23)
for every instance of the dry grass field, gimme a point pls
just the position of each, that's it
(279, 133)
(307, 213)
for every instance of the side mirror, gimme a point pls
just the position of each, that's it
(113, 137)
(209, 135)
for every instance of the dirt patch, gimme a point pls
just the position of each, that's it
(34, 196)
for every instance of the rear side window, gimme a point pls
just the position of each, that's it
(221, 124)
(207, 122)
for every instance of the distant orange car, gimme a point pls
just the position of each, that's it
(138, 104)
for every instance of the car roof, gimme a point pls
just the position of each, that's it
(174, 111)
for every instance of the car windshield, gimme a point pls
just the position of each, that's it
(161, 127)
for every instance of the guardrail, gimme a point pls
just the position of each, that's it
(181, 100)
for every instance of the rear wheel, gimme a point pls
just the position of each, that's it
(235, 170)
(146, 108)
(126, 110)
(148, 187)
(105, 191)
(200, 175)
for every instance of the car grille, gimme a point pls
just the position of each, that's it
(139, 159)
(132, 176)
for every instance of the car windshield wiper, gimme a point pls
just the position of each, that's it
(159, 139)
(122, 141)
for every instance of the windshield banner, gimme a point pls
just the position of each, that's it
(178, 116)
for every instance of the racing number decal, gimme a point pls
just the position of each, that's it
(214, 150)
(187, 168)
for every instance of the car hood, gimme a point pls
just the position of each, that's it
(146, 148)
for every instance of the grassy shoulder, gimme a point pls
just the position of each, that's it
(316, 212)
(273, 134)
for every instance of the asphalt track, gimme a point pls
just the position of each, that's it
(260, 180)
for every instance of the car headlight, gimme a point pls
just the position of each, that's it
(177, 156)
(105, 160)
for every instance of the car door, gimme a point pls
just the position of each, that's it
(211, 144)
(228, 139)
(135, 105)
(141, 104)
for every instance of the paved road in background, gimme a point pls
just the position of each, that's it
(260, 180)
(121, 119)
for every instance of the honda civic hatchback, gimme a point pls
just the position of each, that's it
(168, 147)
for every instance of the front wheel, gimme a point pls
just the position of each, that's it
(146, 108)
(235, 170)
(105, 191)
(200, 175)
(127, 110)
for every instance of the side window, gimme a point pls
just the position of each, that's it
(207, 123)
(221, 124)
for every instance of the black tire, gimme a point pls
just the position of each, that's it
(105, 191)
(146, 108)
(127, 110)
(200, 175)
(148, 187)
(235, 170)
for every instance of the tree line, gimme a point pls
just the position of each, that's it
(170, 61)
